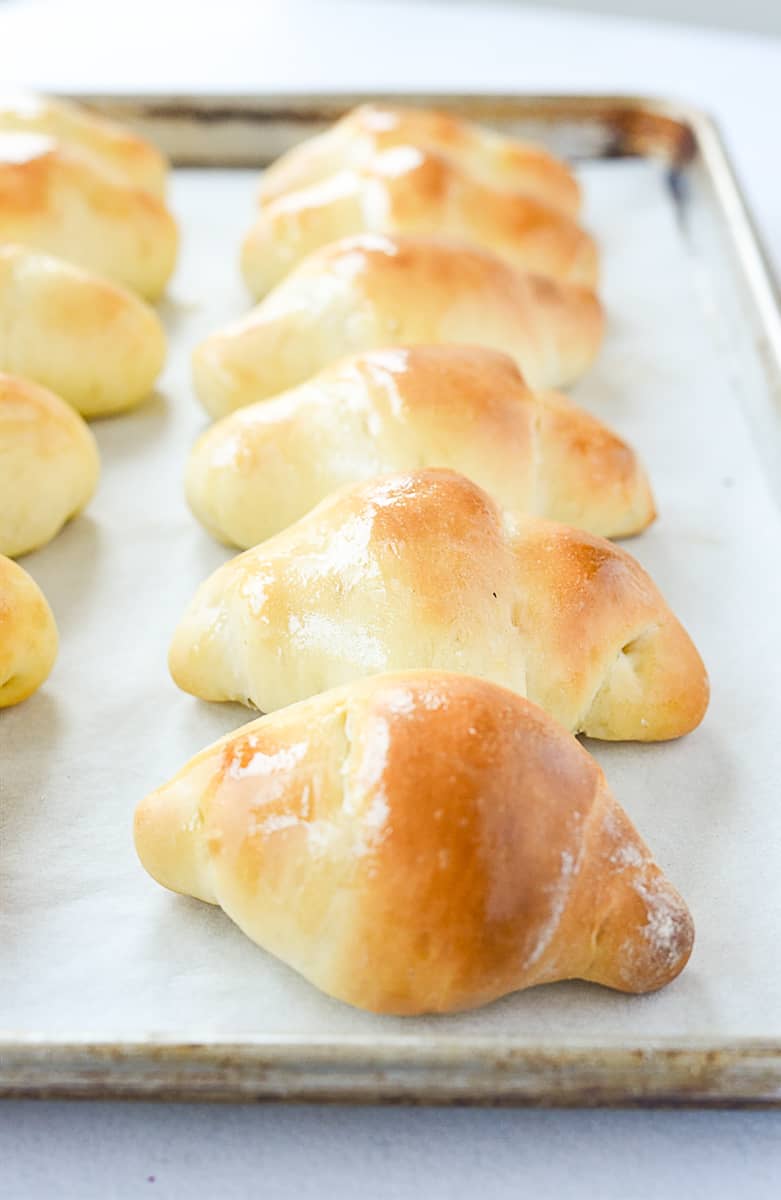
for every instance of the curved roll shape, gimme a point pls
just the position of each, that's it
(409, 190)
(365, 292)
(97, 346)
(28, 635)
(54, 197)
(49, 465)
(416, 843)
(499, 161)
(263, 467)
(128, 156)
(424, 570)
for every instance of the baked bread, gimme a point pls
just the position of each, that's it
(265, 466)
(424, 570)
(49, 465)
(417, 843)
(499, 161)
(55, 197)
(28, 634)
(97, 346)
(364, 292)
(408, 190)
(132, 159)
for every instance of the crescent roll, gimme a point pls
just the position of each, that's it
(49, 465)
(129, 157)
(365, 292)
(56, 198)
(424, 570)
(263, 467)
(415, 843)
(409, 190)
(97, 346)
(28, 634)
(499, 161)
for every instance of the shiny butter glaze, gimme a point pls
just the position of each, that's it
(498, 161)
(132, 159)
(423, 569)
(464, 407)
(418, 842)
(377, 290)
(408, 190)
(59, 198)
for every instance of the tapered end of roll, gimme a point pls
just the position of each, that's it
(194, 655)
(208, 655)
(657, 689)
(643, 935)
(646, 940)
(263, 261)
(566, 327)
(168, 836)
(591, 479)
(587, 332)
(28, 635)
(583, 267)
(213, 382)
(243, 363)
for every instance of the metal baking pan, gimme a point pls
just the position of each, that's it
(110, 987)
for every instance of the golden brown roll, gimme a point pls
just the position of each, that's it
(55, 197)
(265, 466)
(370, 291)
(500, 162)
(416, 843)
(424, 570)
(409, 190)
(28, 634)
(132, 159)
(97, 346)
(49, 465)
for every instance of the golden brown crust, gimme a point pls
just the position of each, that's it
(56, 198)
(413, 191)
(131, 158)
(28, 635)
(265, 466)
(49, 465)
(371, 291)
(423, 569)
(420, 842)
(498, 161)
(97, 346)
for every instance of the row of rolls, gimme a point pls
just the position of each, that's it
(427, 608)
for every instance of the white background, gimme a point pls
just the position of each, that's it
(762, 16)
(107, 1151)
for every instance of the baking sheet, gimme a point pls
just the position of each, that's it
(92, 949)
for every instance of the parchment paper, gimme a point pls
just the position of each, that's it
(90, 946)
